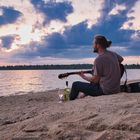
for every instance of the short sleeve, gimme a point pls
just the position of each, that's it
(118, 56)
(98, 68)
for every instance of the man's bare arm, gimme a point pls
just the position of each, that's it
(94, 78)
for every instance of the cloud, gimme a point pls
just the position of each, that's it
(28, 27)
(55, 41)
(7, 41)
(111, 26)
(135, 22)
(53, 10)
(117, 9)
(9, 15)
(110, 5)
(84, 11)
(55, 45)
(79, 34)
(75, 40)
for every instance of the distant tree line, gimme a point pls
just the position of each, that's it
(55, 67)
(45, 67)
(132, 66)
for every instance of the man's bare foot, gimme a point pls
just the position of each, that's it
(81, 95)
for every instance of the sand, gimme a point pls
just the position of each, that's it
(40, 116)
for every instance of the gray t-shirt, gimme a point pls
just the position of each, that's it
(107, 67)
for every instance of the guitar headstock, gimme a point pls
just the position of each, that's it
(64, 75)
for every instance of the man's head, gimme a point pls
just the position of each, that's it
(100, 42)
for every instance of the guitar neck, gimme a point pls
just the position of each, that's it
(78, 72)
(60, 76)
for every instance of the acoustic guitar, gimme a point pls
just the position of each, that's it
(65, 75)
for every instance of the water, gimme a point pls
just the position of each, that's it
(25, 81)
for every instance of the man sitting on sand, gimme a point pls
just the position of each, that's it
(106, 72)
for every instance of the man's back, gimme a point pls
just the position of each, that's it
(107, 67)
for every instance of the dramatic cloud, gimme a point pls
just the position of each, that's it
(79, 34)
(65, 29)
(55, 45)
(53, 10)
(111, 26)
(88, 10)
(76, 40)
(6, 41)
(8, 15)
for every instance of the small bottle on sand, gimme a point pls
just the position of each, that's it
(66, 92)
(61, 96)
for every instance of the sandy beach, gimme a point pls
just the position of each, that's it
(40, 116)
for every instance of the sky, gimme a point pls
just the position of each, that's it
(61, 31)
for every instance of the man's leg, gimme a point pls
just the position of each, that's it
(87, 88)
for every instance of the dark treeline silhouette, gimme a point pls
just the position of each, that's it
(45, 67)
(132, 66)
(55, 67)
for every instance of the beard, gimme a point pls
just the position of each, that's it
(95, 50)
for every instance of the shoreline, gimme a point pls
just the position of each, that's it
(40, 116)
(20, 93)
